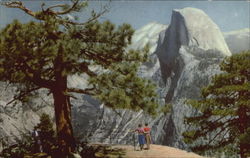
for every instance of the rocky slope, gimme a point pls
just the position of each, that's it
(183, 57)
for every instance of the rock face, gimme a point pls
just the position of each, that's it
(108, 125)
(17, 120)
(238, 40)
(149, 34)
(183, 57)
(189, 52)
(190, 28)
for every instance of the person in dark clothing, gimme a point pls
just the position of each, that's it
(37, 141)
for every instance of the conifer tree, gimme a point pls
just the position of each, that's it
(223, 118)
(43, 53)
(46, 133)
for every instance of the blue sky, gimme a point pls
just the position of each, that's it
(228, 15)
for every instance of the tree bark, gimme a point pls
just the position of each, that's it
(242, 128)
(63, 117)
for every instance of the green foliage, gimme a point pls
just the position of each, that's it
(223, 113)
(14, 151)
(26, 145)
(18, 150)
(36, 53)
(45, 52)
(122, 88)
(46, 133)
(166, 109)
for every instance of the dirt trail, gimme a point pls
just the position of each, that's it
(158, 151)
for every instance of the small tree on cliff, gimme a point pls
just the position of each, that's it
(45, 52)
(46, 133)
(224, 110)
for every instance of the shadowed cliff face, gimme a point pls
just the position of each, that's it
(183, 58)
(189, 53)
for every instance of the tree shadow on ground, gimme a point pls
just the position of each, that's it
(101, 151)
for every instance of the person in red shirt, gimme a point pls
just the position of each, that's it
(147, 135)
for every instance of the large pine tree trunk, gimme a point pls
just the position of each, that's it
(63, 117)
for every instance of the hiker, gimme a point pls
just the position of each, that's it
(37, 143)
(147, 135)
(141, 136)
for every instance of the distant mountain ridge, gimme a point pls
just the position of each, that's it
(238, 40)
(147, 34)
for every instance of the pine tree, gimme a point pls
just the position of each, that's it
(43, 53)
(46, 133)
(223, 118)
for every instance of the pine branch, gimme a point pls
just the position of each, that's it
(34, 77)
(88, 91)
(50, 11)
(95, 17)
(222, 124)
(67, 22)
(219, 133)
(21, 95)
(84, 66)
(102, 57)
(19, 4)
